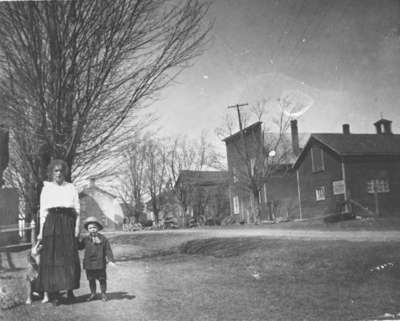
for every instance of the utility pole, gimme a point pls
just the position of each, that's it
(237, 106)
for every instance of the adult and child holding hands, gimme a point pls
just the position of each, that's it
(54, 260)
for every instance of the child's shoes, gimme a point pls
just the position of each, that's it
(91, 297)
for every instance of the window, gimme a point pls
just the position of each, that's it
(236, 205)
(265, 193)
(234, 173)
(378, 186)
(317, 159)
(252, 166)
(320, 193)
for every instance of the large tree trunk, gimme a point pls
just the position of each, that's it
(4, 152)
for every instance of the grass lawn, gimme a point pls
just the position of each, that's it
(178, 277)
(260, 279)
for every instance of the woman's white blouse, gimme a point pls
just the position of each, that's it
(55, 195)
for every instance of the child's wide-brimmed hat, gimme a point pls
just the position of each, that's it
(92, 220)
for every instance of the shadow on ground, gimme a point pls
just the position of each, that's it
(111, 296)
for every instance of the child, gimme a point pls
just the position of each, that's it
(97, 254)
(33, 273)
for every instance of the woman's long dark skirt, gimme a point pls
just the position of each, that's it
(59, 259)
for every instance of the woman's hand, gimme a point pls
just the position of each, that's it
(40, 236)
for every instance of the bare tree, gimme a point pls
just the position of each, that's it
(186, 154)
(151, 167)
(73, 72)
(156, 174)
(259, 153)
(133, 176)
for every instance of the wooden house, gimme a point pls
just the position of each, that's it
(203, 195)
(255, 157)
(105, 206)
(361, 171)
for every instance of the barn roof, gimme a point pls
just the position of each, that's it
(202, 177)
(246, 130)
(347, 145)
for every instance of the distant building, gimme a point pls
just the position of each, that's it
(101, 204)
(204, 195)
(170, 208)
(249, 159)
(363, 168)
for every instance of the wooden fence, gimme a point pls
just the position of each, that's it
(20, 245)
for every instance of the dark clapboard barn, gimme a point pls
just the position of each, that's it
(362, 169)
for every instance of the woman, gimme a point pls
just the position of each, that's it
(59, 230)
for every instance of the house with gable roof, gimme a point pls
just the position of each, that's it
(203, 195)
(362, 170)
(104, 205)
(249, 159)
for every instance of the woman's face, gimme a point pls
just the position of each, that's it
(58, 174)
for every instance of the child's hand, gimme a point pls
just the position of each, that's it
(112, 264)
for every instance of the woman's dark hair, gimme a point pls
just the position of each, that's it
(54, 163)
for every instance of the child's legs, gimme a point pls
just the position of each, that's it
(91, 277)
(103, 285)
(92, 286)
(102, 277)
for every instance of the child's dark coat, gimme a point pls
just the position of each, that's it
(96, 254)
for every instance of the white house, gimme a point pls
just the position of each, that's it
(101, 204)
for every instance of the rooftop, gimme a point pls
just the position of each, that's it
(203, 177)
(361, 144)
(353, 145)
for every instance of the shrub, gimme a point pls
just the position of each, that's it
(146, 223)
(170, 222)
(339, 217)
(212, 221)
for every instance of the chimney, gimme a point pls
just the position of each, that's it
(346, 129)
(295, 137)
(387, 128)
(383, 126)
(378, 127)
